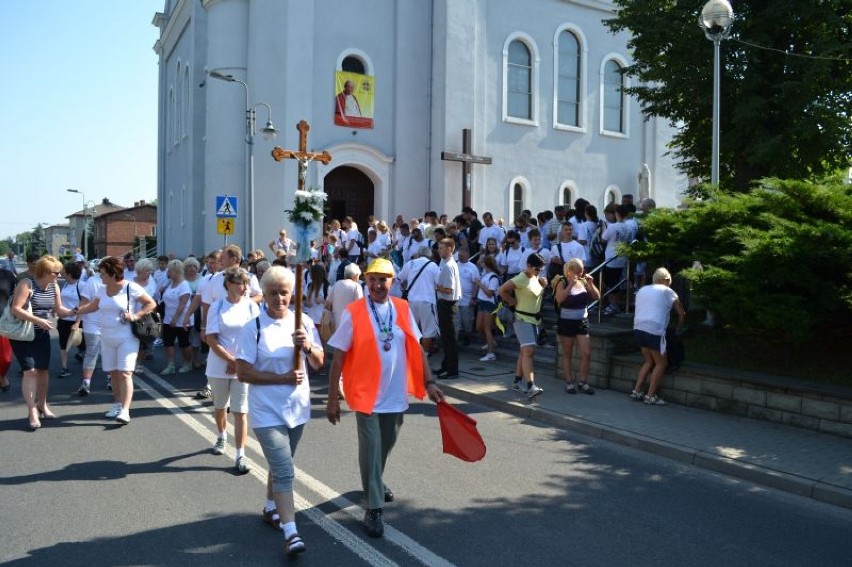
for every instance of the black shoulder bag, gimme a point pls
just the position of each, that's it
(147, 327)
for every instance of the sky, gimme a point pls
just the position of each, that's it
(78, 107)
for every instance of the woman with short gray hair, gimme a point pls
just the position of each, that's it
(279, 394)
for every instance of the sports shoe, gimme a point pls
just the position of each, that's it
(636, 396)
(169, 369)
(109, 384)
(123, 417)
(219, 446)
(586, 389)
(488, 357)
(204, 393)
(84, 389)
(655, 401)
(158, 342)
(64, 373)
(113, 411)
(516, 386)
(187, 367)
(242, 465)
(611, 309)
(534, 391)
(570, 388)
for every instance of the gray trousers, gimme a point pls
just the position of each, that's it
(376, 437)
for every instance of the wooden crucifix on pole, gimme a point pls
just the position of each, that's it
(467, 160)
(303, 157)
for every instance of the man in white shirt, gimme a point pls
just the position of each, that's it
(534, 247)
(377, 355)
(129, 267)
(353, 239)
(449, 292)
(490, 230)
(344, 292)
(615, 234)
(566, 249)
(420, 277)
(469, 275)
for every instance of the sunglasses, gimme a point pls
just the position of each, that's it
(56, 273)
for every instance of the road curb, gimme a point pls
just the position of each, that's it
(793, 484)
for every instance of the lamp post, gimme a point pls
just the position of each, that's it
(269, 132)
(85, 222)
(716, 19)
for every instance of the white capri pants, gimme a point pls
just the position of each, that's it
(118, 355)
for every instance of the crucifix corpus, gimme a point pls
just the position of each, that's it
(467, 160)
(306, 213)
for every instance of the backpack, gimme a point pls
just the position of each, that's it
(559, 280)
(597, 245)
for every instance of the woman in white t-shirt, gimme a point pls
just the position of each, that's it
(486, 302)
(65, 325)
(119, 303)
(176, 298)
(650, 321)
(279, 393)
(144, 277)
(226, 320)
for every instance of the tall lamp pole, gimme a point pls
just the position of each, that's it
(716, 19)
(269, 132)
(85, 222)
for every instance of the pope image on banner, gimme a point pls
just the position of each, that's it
(354, 99)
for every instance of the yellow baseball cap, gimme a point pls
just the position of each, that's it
(380, 266)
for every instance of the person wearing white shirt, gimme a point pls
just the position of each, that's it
(279, 393)
(129, 267)
(344, 292)
(509, 259)
(534, 246)
(651, 319)
(225, 322)
(119, 303)
(353, 239)
(490, 230)
(420, 277)
(380, 361)
(564, 250)
(469, 276)
(449, 292)
(614, 234)
(91, 332)
(176, 298)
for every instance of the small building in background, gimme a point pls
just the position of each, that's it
(131, 229)
(77, 223)
(57, 240)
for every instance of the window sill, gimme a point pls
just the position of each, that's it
(520, 121)
(610, 134)
(566, 128)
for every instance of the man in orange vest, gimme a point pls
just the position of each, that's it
(378, 354)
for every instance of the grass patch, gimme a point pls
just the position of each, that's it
(823, 356)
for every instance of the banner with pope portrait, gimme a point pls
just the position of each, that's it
(354, 99)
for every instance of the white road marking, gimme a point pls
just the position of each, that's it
(357, 545)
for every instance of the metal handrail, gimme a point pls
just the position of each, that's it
(599, 270)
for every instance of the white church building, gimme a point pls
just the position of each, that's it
(388, 86)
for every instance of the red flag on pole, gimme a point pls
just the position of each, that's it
(459, 434)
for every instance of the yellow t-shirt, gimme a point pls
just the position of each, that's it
(529, 293)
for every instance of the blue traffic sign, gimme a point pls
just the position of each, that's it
(226, 206)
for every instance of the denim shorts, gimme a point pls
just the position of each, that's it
(279, 445)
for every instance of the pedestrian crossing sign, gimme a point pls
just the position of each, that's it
(225, 226)
(226, 206)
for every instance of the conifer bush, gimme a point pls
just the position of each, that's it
(778, 258)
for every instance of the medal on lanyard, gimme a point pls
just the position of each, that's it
(385, 328)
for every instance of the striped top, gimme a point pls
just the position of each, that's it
(43, 300)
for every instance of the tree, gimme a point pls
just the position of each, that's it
(37, 242)
(778, 258)
(782, 115)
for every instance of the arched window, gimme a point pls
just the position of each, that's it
(178, 105)
(353, 64)
(171, 121)
(612, 88)
(519, 89)
(611, 195)
(517, 200)
(186, 122)
(567, 196)
(568, 74)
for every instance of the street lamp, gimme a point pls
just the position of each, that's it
(716, 19)
(269, 132)
(85, 222)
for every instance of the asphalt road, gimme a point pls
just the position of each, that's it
(84, 491)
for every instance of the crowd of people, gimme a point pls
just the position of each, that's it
(386, 299)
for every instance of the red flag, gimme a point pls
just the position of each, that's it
(459, 433)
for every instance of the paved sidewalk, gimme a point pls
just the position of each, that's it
(803, 462)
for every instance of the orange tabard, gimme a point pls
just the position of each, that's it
(362, 365)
